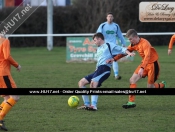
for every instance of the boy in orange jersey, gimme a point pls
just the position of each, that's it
(6, 80)
(149, 65)
(170, 47)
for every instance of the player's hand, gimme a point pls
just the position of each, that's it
(109, 60)
(169, 51)
(131, 54)
(18, 68)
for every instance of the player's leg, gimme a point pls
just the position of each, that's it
(2, 105)
(8, 105)
(101, 74)
(162, 84)
(10, 100)
(6, 82)
(153, 74)
(133, 80)
(82, 84)
(1, 86)
(116, 70)
(6, 97)
(6, 108)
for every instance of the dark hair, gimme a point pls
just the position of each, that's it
(131, 32)
(98, 35)
(109, 13)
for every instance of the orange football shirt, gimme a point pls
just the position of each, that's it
(5, 58)
(172, 40)
(145, 50)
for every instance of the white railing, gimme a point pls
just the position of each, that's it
(50, 45)
(80, 34)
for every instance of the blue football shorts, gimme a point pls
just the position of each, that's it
(100, 75)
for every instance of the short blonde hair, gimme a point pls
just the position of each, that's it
(131, 32)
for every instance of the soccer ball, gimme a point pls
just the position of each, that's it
(73, 101)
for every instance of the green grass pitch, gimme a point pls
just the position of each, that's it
(50, 113)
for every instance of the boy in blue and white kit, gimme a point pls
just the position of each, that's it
(110, 30)
(103, 68)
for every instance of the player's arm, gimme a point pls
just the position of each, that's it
(7, 56)
(119, 56)
(170, 47)
(14, 63)
(147, 53)
(99, 30)
(120, 52)
(121, 37)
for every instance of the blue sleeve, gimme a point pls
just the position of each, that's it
(117, 49)
(99, 29)
(119, 34)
